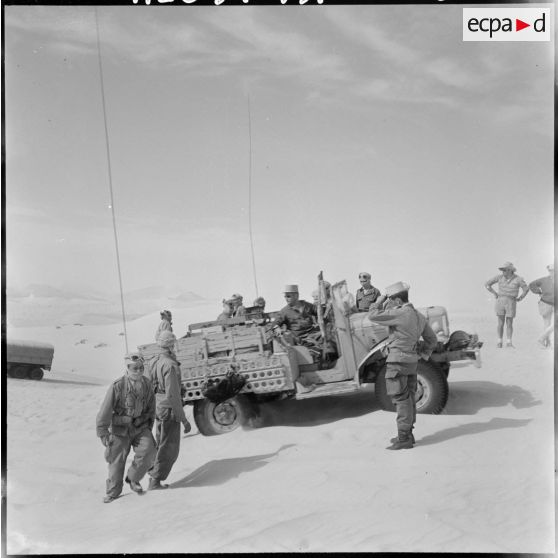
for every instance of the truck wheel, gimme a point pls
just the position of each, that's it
(36, 374)
(220, 418)
(432, 389)
(19, 372)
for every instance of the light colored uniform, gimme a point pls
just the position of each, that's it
(406, 327)
(164, 325)
(169, 414)
(127, 402)
(508, 290)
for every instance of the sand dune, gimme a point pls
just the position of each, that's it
(315, 477)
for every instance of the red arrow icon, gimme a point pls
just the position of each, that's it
(519, 25)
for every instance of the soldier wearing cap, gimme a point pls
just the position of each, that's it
(506, 298)
(545, 288)
(298, 316)
(125, 420)
(169, 412)
(406, 327)
(367, 294)
(260, 302)
(238, 308)
(165, 324)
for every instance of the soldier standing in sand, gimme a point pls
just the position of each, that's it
(406, 327)
(506, 299)
(169, 413)
(125, 420)
(545, 288)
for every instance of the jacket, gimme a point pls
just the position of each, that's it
(123, 406)
(406, 327)
(168, 396)
(299, 318)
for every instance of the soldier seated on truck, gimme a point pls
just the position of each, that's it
(299, 319)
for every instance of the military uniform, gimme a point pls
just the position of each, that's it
(365, 297)
(300, 319)
(169, 414)
(406, 327)
(126, 418)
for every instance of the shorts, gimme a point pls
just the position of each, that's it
(545, 309)
(505, 306)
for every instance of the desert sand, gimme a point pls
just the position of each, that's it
(315, 477)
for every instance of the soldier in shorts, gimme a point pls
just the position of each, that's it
(506, 298)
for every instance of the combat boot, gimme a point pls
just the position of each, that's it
(108, 499)
(393, 440)
(403, 441)
(155, 484)
(135, 486)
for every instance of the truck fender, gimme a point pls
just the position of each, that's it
(379, 348)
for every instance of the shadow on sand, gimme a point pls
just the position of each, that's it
(220, 471)
(320, 410)
(467, 398)
(70, 382)
(472, 428)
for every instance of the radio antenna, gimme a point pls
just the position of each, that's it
(250, 198)
(110, 180)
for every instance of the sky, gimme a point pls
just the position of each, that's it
(350, 138)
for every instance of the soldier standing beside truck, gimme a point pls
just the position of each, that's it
(406, 327)
(169, 413)
(125, 420)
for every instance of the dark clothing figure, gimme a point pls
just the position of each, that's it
(125, 420)
(169, 414)
(406, 327)
(299, 318)
(365, 297)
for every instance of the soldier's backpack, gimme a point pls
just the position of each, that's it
(218, 390)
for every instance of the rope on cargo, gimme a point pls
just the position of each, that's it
(110, 180)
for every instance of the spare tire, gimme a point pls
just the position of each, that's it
(432, 389)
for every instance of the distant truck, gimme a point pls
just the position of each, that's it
(28, 359)
(271, 365)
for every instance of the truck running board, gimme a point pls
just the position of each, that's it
(329, 389)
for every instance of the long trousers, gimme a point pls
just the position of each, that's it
(401, 385)
(167, 438)
(117, 452)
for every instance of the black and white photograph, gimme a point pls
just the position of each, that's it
(278, 277)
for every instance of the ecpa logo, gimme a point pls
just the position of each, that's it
(506, 24)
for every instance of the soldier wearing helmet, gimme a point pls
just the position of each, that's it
(169, 412)
(165, 323)
(124, 421)
(406, 327)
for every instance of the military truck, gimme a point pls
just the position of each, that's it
(275, 368)
(28, 359)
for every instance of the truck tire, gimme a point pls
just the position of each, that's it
(19, 372)
(432, 389)
(36, 374)
(220, 418)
